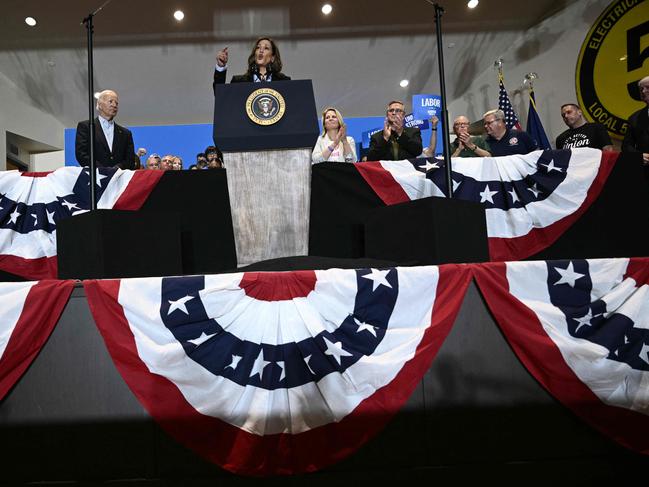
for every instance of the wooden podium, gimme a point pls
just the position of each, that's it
(267, 142)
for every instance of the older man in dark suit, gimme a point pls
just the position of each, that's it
(637, 132)
(113, 143)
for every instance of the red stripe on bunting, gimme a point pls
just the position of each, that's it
(382, 182)
(244, 453)
(638, 270)
(39, 174)
(32, 269)
(41, 311)
(138, 189)
(517, 248)
(278, 286)
(543, 359)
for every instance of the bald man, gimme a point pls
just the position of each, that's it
(113, 143)
(464, 145)
(637, 132)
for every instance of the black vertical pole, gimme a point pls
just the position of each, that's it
(442, 85)
(91, 115)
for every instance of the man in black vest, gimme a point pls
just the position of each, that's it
(395, 142)
(113, 143)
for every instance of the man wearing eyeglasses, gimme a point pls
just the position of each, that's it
(395, 142)
(503, 141)
(464, 145)
(637, 132)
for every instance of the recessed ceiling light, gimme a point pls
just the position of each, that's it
(179, 15)
(30, 21)
(472, 3)
(403, 83)
(327, 9)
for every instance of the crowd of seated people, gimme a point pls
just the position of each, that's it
(210, 158)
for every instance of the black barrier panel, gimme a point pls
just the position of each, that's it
(201, 198)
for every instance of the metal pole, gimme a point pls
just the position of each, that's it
(442, 84)
(91, 106)
(91, 116)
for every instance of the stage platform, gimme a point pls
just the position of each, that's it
(476, 416)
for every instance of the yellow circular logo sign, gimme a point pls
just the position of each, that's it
(613, 58)
(265, 106)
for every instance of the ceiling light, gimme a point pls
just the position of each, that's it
(179, 15)
(326, 9)
(403, 83)
(472, 3)
(30, 21)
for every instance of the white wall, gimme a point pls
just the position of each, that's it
(19, 115)
(47, 161)
(549, 49)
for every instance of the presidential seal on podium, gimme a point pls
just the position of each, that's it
(265, 106)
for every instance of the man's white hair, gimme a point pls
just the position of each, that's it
(103, 94)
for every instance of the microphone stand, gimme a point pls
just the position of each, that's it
(91, 107)
(442, 84)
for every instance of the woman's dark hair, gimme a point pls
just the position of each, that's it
(275, 65)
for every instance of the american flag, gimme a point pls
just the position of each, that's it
(511, 120)
(277, 372)
(581, 328)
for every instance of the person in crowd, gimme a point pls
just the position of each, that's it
(193, 167)
(581, 133)
(432, 143)
(637, 132)
(214, 157)
(177, 164)
(503, 141)
(334, 145)
(153, 162)
(138, 158)
(395, 142)
(264, 64)
(464, 144)
(201, 160)
(167, 162)
(137, 164)
(113, 143)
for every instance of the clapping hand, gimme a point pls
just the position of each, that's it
(397, 125)
(387, 130)
(465, 138)
(341, 136)
(222, 57)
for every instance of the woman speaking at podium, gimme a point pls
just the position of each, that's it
(264, 64)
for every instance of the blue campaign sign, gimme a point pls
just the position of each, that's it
(367, 135)
(424, 107)
(411, 120)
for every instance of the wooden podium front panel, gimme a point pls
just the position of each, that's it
(270, 193)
